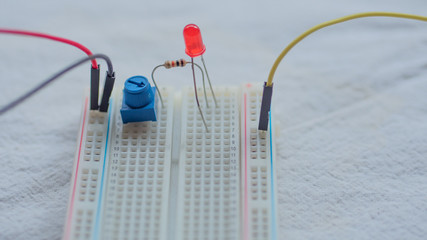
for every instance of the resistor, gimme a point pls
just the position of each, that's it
(177, 63)
(182, 63)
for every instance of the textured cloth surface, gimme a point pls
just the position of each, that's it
(350, 104)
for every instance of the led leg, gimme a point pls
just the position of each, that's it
(209, 80)
(196, 95)
(204, 87)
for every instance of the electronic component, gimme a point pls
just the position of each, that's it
(194, 47)
(138, 104)
(170, 179)
(177, 63)
(182, 63)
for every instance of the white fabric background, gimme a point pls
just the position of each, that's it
(350, 101)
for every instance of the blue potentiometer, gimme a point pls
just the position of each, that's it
(139, 104)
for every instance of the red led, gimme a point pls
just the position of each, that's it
(194, 46)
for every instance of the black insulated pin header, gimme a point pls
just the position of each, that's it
(109, 84)
(94, 88)
(264, 114)
(108, 88)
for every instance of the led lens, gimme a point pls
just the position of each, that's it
(194, 46)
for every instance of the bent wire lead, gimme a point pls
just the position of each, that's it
(197, 96)
(178, 63)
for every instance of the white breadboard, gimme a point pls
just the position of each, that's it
(172, 179)
(208, 184)
(257, 170)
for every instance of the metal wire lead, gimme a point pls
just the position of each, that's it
(209, 81)
(155, 84)
(168, 65)
(197, 97)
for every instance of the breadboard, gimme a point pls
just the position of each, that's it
(208, 184)
(172, 179)
(258, 170)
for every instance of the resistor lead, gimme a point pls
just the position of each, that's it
(171, 64)
(181, 63)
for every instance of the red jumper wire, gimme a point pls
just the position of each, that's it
(54, 38)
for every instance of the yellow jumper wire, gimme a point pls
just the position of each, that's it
(333, 22)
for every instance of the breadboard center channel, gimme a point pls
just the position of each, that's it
(172, 179)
